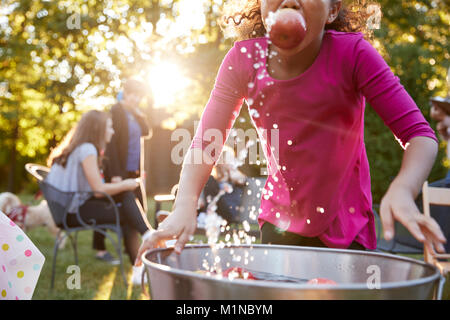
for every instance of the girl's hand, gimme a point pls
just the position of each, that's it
(398, 204)
(180, 224)
(130, 184)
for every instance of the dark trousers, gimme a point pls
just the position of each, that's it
(272, 235)
(132, 220)
(99, 239)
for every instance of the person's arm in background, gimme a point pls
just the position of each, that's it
(220, 113)
(373, 77)
(92, 173)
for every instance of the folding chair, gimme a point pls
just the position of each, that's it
(59, 202)
(436, 196)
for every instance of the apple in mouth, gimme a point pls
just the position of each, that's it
(286, 28)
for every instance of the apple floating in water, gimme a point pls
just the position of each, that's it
(286, 27)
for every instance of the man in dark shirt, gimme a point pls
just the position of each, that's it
(124, 154)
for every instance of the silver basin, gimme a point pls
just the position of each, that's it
(173, 276)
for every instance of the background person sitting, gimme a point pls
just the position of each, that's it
(224, 175)
(75, 167)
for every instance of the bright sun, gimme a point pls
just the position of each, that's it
(167, 83)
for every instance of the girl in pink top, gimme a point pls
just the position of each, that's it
(318, 189)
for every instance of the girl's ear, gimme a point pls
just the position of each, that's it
(334, 10)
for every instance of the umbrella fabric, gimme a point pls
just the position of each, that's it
(20, 262)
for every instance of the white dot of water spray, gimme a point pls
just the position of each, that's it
(246, 226)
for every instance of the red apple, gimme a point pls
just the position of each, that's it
(239, 273)
(287, 28)
(322, 281)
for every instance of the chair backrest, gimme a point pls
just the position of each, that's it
(38, 171)
(58, 201)
(437, 196)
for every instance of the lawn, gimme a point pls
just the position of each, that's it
(99, 280)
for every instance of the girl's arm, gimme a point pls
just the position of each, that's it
(92, 173)
(219, 115)
(398, 203)
(383, 90)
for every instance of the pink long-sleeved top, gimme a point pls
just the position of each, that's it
(312, 130)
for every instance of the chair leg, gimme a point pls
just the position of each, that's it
(55, 252)
(74, 246)
(157, 208)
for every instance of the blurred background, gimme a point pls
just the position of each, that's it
(61, 58)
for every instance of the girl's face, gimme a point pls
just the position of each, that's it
(317, 14)
(109, 130)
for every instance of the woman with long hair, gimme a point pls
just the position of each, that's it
(76, 166)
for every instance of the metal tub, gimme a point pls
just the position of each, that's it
(173, 276)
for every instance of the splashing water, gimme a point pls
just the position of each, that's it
(214, 225)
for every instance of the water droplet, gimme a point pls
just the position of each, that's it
(308, 221)
(256, 65)
(275, 126)
(243, 50)
(251, 85)
(250, 101)
(320, 209)
(351, 210)
(246, 226)
(254, 113)
(277, 215)
(230, 68)
(249, 55)
(289, 142)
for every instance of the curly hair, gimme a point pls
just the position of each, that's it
(242, 19)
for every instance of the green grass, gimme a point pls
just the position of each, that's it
(99, 280)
